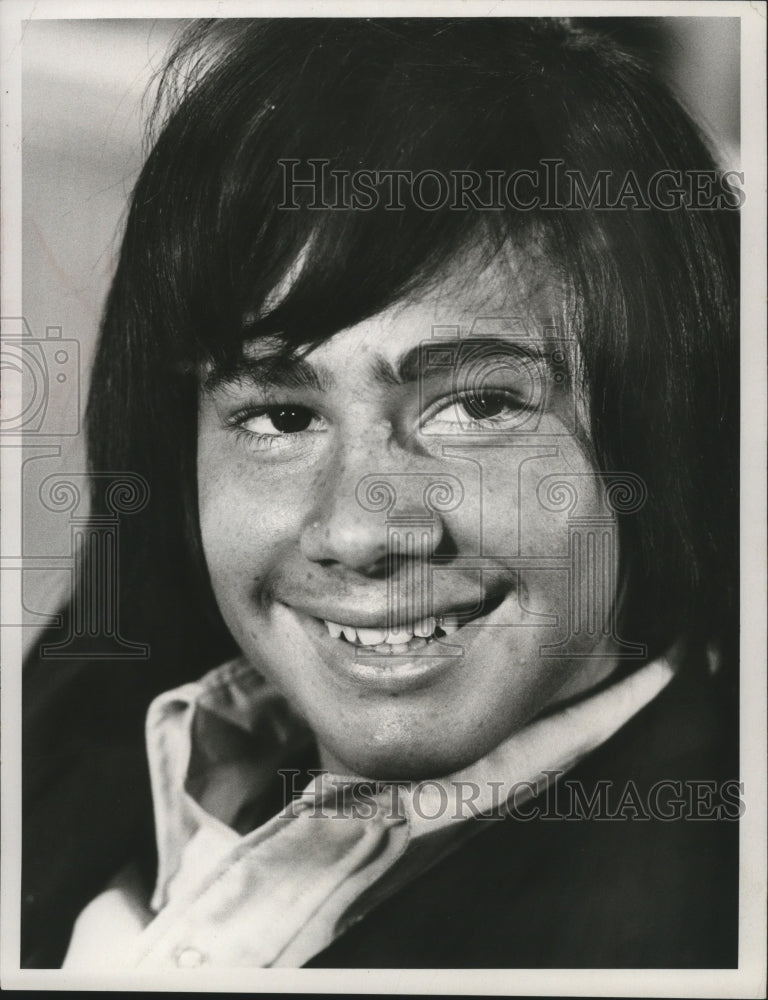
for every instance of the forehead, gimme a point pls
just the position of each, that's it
(512, 294)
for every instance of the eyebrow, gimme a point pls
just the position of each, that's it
(273, 371)
(280, 371)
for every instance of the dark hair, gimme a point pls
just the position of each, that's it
(651, 297)
(652, 293)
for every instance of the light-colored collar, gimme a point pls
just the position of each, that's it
(216, 744)
(242, 883)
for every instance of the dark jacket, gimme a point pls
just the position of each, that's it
(611, 890)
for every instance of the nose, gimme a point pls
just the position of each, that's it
(361, 518)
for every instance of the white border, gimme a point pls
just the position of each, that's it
(749, 980)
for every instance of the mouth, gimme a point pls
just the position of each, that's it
(374, 655)
(407, 637)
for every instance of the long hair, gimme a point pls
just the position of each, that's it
(651, 291)
(650, 296)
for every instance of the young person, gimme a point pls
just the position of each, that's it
(424, 343)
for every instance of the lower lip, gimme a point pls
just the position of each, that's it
(389, 673)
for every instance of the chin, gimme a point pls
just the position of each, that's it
(402, 761)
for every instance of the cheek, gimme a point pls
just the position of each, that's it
(247, 520)
(541, 510)
(521, 499)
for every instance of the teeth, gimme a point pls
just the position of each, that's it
(371, 636)
(450, 624)
(425, 627)
(398, 639)
(416, 643)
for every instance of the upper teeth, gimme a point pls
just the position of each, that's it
(394, 637)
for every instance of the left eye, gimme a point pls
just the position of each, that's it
(475, 411)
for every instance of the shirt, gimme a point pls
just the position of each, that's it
(278, 894)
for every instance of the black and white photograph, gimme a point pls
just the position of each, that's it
(383, 445)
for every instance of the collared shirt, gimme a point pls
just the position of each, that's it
(232, 895)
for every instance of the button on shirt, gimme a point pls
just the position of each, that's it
(229, 894)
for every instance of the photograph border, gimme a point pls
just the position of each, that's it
(749, 978)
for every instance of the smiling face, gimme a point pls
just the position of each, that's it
(376, 523)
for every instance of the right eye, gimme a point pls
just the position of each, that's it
(283, 419)
(275, 425)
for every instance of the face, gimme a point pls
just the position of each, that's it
(385, 532)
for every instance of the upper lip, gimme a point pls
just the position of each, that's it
(364, 618)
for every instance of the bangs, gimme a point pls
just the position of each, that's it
(346, 266)
(231, 237)
(227, 191)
